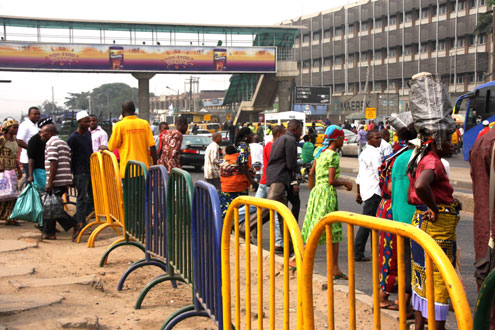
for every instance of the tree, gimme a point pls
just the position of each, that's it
(486, 25)
(50, 108)
(77, 101)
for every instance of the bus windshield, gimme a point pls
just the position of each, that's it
(480, 106)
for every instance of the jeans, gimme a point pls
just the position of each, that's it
(262, 192)
(84, 201)
(369, 208)
(361, 147)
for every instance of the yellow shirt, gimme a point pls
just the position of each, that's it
(133, 137)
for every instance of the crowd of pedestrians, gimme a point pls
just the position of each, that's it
(404, 180)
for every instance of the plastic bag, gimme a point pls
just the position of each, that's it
(431, 107)
(53, 207)
(8, 185)
(400, 120)
(28, 206)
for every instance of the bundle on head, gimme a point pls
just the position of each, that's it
(431, 107)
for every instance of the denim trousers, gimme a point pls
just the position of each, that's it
(262, 192)
(369, 208)
(84, 201)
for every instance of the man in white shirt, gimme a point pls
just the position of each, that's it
(212, 161)
(98, 136)
(27, 129)
(368, 188)
(256, 150)
(385, 147)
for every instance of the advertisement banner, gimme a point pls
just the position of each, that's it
(311, 109)
(113, 58)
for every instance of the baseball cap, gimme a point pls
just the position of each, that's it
(82, 114)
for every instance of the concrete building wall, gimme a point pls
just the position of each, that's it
(385, 42)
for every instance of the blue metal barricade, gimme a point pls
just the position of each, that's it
(206, 238)
(175, 231)
(155, 220)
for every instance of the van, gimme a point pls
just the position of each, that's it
(210, 127)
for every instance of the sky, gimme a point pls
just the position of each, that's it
(27, 89)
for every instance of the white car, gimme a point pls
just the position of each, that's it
(350, 147)
(204, 132)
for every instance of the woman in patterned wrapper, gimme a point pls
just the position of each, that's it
(323, 196)
(8, 162)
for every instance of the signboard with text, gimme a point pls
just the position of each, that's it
(370, 113)
(313, 95)
(134, 58)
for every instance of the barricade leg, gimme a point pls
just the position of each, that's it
(139, 264)
(181, 315)
(117, 244)
(157, 280)
(89, 225)
(92, 237)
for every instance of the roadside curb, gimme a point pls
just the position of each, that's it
(466, 200)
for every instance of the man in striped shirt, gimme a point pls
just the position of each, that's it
(58, 174)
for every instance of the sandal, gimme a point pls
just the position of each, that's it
(341, 276)
(13, 223)
(391, 306)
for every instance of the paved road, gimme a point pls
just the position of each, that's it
(364, 271)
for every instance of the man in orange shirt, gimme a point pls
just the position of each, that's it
(486, 129)
(133, 138)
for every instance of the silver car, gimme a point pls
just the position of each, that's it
(350, 147)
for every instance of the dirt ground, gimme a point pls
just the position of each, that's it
(115, 310)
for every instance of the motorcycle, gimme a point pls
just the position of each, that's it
(304, 170)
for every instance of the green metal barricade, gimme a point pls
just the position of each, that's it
(485, 303)
(134, 194)
(179, 237)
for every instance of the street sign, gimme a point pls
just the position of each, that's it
(207, 117)
(312, 95)
(370, 113)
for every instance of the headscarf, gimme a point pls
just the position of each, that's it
(8, 123)
(45, 121)
(332, 133)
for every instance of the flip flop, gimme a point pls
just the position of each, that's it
(392, 306)
(341, 276)
(362, 259)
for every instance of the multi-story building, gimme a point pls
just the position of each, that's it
(374, 47)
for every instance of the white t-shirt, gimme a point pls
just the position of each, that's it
(256, 152)
(367, 178)
(27, 129)
(385, 148)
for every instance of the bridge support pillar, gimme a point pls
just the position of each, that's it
(144, 94)
(284, 93)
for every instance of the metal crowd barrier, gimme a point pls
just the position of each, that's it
(98, 184)
(435, 258)
(155, 223)
(178, 232)
(134, 195)
(485, 303)
(206, 236)
(291, 229)
(114, 197)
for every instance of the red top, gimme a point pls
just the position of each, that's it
(483, 132)
(441, 187)
(266, 156)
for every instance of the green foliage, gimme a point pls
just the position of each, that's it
(50, 108)
(485, 21)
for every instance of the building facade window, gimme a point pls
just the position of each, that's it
(327, 61)
(460, 79)
(316, 63)
(338, 32)
(393, 20)
(482, 39)
(407, 50)
(305, 38)
(378, 55)
(392, 52)
(424, 48)
(378, 23)
(339, 60)
(306, 64)
(316, 36)
(408, 16)
(441, 44)
(326, 34)
(443, 9)
(350, 58)
(424, 13)
(364, 56)
(339, 88)
(364, 26)
(460, 42)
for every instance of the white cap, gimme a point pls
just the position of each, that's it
(82, 114)
(485, 123)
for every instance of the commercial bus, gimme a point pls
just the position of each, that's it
(479, 106)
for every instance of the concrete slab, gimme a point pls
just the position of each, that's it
(90, 280)
(11, 304)
(10, 245)
(9, 270)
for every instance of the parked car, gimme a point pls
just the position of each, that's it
(204, 132)
(193, 150)
(350, 147)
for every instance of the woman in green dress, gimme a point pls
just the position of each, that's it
(323, 196)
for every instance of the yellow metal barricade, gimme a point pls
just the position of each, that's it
(291, 229)
(100, 199)
(435, 257)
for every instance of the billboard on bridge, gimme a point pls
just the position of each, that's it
(133, 58)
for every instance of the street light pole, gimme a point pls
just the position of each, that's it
(178, 97)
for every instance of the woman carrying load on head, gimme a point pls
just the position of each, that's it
(323, 179)
(8, 162)
(437, 212)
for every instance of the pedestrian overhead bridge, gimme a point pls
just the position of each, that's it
(260, 57)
